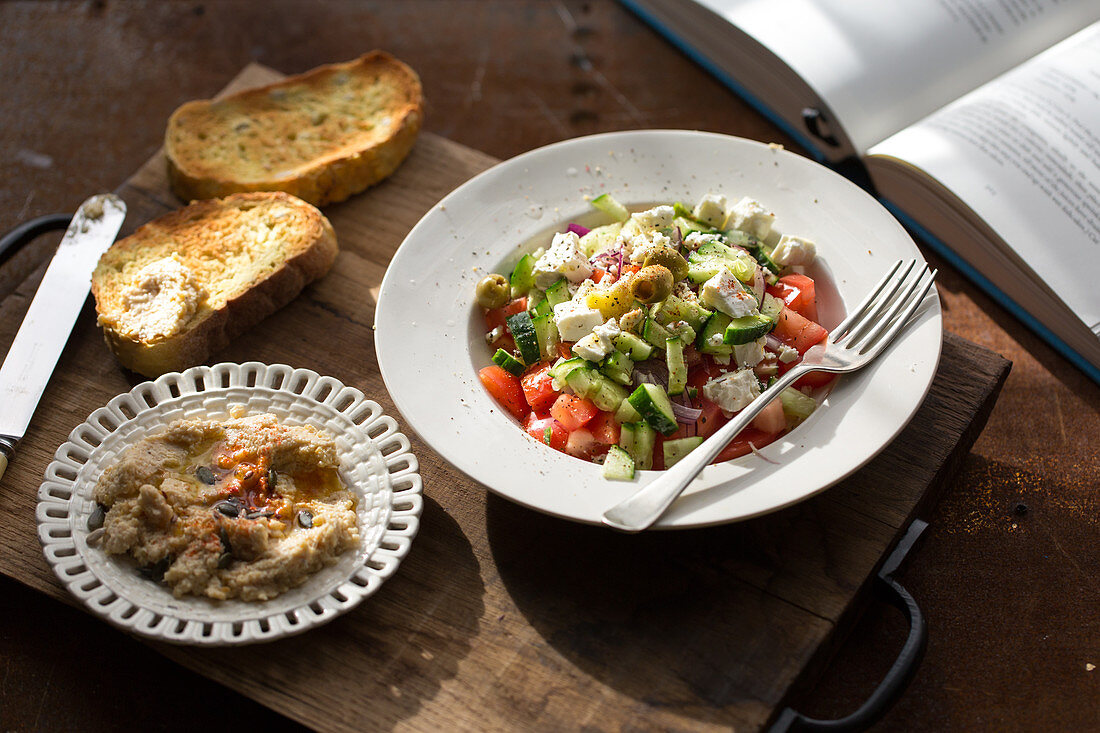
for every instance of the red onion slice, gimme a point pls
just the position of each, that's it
(685, 414)
(578, 229)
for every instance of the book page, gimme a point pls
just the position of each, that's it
(1023, 152)
(883, 64)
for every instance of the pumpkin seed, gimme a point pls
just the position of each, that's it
(95, 536)
(95, 519)
(305, 519)
(206, 475)
(272, 479)
(156, 571)
(230, 508)
(258, 514)
(225, 560)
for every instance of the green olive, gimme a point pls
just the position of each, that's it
(493, 291)
(671, 259)
(652, 284)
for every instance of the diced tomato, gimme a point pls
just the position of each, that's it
(739, 446)
(799, 294)
(538, 387)
(797, 331)
(583, 444)
(605, 429)
(710, 419)
(565, 349)
(505, 389)
(496, 316)
(813, 380)
(771, 419)
(546, 430)
(631, 269)
(598, 274)
(572, 411)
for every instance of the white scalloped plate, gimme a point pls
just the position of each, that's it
(375, 462)
(430, 334)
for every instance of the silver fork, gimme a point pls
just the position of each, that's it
(853, 344)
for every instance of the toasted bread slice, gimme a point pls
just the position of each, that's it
(321, 136)
(183, 285)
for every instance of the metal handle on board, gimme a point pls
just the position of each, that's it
(892, 686)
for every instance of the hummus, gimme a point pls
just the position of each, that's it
(243, 508)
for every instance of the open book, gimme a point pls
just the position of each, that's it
(977, 120)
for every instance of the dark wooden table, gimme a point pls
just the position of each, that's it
(1008, 572)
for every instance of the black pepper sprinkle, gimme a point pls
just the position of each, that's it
(1021, 509)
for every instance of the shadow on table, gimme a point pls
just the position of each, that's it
(683, 619)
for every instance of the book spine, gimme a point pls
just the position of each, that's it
(721, 75)
(1092, 371)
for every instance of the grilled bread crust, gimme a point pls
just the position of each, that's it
(251, 252)
(321, 136)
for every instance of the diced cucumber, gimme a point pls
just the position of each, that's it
(676, 449)
(715, 326)
(633, 346)
(561, 368)
(618, 366)
(611, 207)
(590, 384)
(705, 262)
(764, 257)
(547, 332)
(527, 341)
(677, 369)
(747, 328)
(655, 333)
(673, 309)
(523, 276)
(652, 403)
(681, 330)
(508, 362)
(558, 292)
(796, 406)
(638, 439)
(539, 307)
(771, 307)
(626, 413)
(688, 225)
(600, 238)
(618, 465)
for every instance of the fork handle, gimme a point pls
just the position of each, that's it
(649, 503)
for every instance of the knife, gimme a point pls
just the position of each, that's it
(49, 321)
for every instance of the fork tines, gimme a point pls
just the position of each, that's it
(889, 305)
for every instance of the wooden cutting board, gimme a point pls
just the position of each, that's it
(502, 618)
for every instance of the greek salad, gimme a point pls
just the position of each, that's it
(629, 343)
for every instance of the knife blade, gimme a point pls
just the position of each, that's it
(30, 361)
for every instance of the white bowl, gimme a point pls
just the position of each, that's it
(430, 333)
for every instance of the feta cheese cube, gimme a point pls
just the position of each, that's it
(711, 209)
(655, 218)
(493, 336)
(575, 319)
(598, 344)
(642, 244)
(787, 354)
(563, 258)
(733, 391)
(725, 293)
(750, 354)
(715, 340)
(749, 216)
(632, 320)
(590, 348)
(698, 239)
(794, 251)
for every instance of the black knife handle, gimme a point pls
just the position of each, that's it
(28, 230)
(905, 666)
